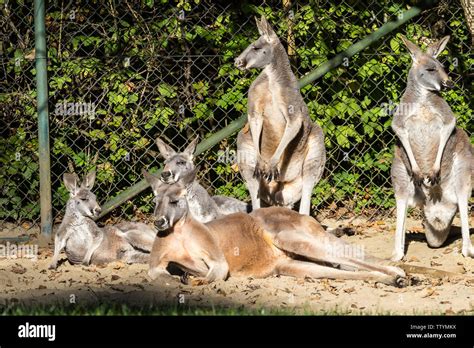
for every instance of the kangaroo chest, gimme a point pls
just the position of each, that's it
(78, 240)
(274, 122)
(424, 126)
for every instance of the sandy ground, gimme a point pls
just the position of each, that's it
(30, 282)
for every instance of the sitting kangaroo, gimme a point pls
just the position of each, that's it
(282, 156)
(268, 241)
(433, 159)
(84, 242)
(204, 207)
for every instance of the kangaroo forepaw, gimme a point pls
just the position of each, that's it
(417, 178)
(434, 177)
(260, 169)
(272, 174)
(266, 171)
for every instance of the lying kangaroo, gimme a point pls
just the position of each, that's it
(433, 159)
(282, 156)
(269, 241)
(204, 207)
(84, 242)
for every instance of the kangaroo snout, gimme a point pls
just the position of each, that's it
(239, 63)
(161, 223)
(448, 84)
(166, 176)
(97, 211)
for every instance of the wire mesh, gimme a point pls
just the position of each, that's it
(122, 73)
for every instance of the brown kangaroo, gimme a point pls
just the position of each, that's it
(281, 153)
(268, 241)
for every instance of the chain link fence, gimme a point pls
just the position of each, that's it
(122, 73)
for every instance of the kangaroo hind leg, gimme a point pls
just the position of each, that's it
(330, 249)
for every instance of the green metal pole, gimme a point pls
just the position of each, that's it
(309, 78)
(43, 119)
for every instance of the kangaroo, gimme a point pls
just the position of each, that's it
(280, 152)
(268, 241)
(433, 158)
(204, 207)
(85, 242)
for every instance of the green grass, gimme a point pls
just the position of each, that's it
(181, 310)
(165, 310)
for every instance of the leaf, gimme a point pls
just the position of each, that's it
(18, 269)
(166, 90)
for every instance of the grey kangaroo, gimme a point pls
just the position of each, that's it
(281, 153)
(179, 165)
(85, 242)
(433, 158)
(268, 241)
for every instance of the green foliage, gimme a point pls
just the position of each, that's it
(166, 68)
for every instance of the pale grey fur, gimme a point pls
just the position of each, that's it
(204, 208)
(85, 242)
(433, 159)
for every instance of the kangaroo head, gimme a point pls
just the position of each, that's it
(260, 52)
(177, 165)
(426, 71)
(83, 200)
(171, 205)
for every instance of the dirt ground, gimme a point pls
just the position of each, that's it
(30, 282)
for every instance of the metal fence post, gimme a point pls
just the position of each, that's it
(43, 118)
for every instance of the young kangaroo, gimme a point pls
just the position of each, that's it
(433, 158)
(204, 207)
(282, 156)
(84, 242)
(268, 241)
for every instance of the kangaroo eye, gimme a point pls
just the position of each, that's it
(174, 202)
(181, 163)
(256, 48)
(431, 69)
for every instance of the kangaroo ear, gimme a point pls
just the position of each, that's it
(89, 180)
(189, 150)
(435, 49)
(189, 177)
(71, 181)
(154, 181)
(266, 30)
(165, 150)
(415, 51)
(259, 27)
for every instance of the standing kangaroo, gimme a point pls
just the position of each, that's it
(269, 241)
(433, 158)
(181, 165)
(85, 242)
(282, 156)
